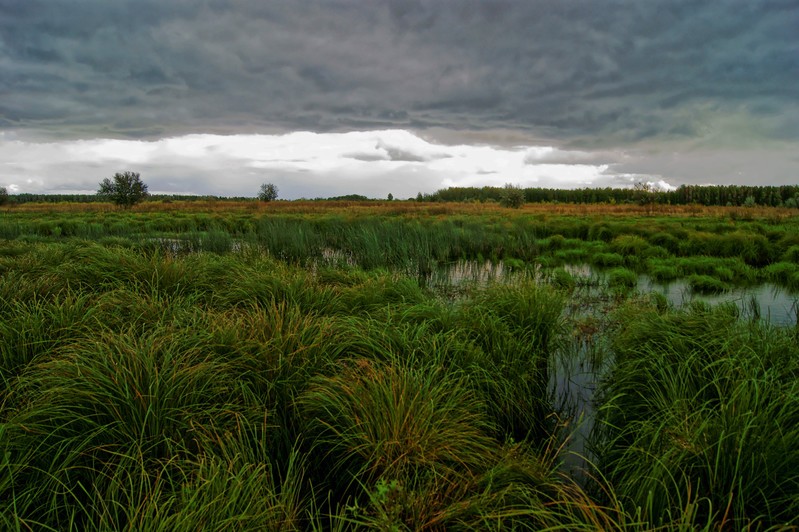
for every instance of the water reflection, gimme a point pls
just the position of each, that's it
(766, 301)
(467, 272)
(579, 366)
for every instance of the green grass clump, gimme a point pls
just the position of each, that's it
(32, 330)
(373, 420)
(607, 260)
(729, 270)
(216, 241)
(662, 271)
(622, 278)
(705, 284)
(783, 273)
(752, 248)
(570, 256)
(562, 279)
(791, 255)
(629, 245)
(107, 399)
(603, 231)
(553, 243)
(665, 240)
(516, 328)
(697, 420)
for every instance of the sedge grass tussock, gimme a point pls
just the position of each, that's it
(791, 254)
(515, 327)
(373, 420)
(705, 284)
(622, 278)
(663, 271)
(608, 259)
(701, 410)
(783, 273)
(35, 328)
(118, 395)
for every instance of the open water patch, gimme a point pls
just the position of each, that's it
(578, 368)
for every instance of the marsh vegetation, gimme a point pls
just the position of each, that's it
(283, 367)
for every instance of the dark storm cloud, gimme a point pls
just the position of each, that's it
(587, 72)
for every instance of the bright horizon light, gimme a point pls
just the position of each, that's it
(303, 164)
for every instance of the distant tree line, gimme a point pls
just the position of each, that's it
(347, 197)
(94, 198)
(721, 195)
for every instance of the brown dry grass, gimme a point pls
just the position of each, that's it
(413, 209)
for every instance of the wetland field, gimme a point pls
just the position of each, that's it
(398, 366)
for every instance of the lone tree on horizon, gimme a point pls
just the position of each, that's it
(3, 195)
(268, 192)
(511, 196)
(126, 189)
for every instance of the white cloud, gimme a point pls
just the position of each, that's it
(302, 164)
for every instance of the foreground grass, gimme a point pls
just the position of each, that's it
(143, 391)
(699, 420)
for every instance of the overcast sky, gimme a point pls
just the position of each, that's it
(336, 97)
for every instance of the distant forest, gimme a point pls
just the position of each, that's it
(722, 195)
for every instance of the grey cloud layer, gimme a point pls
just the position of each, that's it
(586, 72)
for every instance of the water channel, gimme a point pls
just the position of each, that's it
(578, 368)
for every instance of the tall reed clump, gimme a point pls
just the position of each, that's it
(32, 329)
(89, 408)
(698, 420)
(440, 415)
(410, 445)
(516, 327)
(622, 278)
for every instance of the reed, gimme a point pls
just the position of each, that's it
(705, 284)
(783, 273)
(688, 419)
(608, 260)
(622, 278)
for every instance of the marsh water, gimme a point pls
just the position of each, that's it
(765, 301)
(579, 366)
